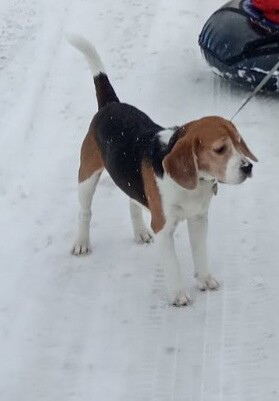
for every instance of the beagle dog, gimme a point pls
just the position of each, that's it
(173, 172)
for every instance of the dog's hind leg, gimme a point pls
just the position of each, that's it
(91, 167)
(141, 233)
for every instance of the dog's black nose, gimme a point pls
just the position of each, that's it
(247, 168)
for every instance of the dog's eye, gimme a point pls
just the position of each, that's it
(220, 150)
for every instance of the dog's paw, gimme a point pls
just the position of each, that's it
(181, 299)
(81, 248)
(207, 282)
(144, 236)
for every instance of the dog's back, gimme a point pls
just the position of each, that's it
(124, 134)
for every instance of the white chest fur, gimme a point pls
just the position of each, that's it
(179, 203)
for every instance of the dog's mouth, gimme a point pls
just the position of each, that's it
(242, 177)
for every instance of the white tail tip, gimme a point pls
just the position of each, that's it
(89, 51)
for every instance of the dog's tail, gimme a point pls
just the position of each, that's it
(104, 91)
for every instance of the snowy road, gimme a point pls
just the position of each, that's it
(99, 328)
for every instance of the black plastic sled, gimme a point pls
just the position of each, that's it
(241, 45)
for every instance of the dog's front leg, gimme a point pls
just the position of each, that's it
(197, 228)
(169, 261)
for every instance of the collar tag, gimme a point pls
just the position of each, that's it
(215, 188)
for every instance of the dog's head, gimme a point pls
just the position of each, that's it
(210, 147)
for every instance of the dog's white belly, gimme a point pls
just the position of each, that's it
(179, 203)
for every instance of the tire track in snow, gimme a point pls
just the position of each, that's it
(27, 64)
(240, 367)
(234, 360)
(145, 384)
(172, 365)
(48, 41)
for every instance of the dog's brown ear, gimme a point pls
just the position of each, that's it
(243, 148)
(240, 144)
(180, 164)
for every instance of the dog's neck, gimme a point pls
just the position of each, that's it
(209, 178)
(204, 176)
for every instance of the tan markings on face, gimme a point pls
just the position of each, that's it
(90, 157)
(215, 142)
(153, 197)
(213, 157)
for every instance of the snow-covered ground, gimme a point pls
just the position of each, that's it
(99, 328)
